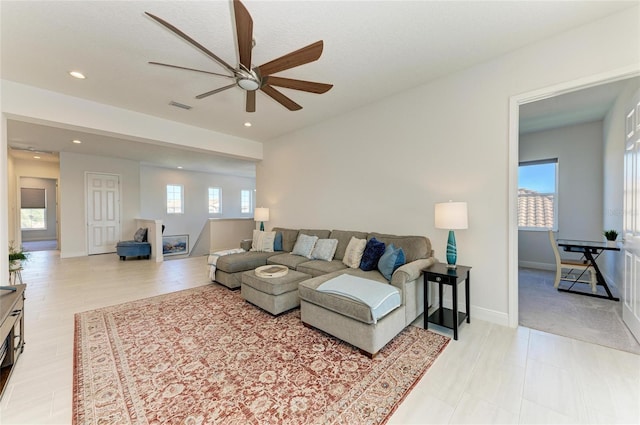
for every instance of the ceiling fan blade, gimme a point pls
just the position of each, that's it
(209, 93)
(280, 98)
(251, 101)
(307, 54)
(244, 31)
(191, 69)
(191, 41)
(308, 86)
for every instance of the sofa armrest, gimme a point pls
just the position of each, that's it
(246, 244)
(410, 271)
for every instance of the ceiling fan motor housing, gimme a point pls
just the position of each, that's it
(248, 80)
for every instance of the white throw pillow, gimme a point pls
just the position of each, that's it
(304, 245)
(325, 249)
(353, 254)
(263, 241)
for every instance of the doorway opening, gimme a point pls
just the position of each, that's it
(557, 125)
(38, 214)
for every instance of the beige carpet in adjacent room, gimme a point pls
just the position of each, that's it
(588, 319)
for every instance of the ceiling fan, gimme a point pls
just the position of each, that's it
(248, 77)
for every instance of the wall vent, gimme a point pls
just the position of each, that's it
(180, 105)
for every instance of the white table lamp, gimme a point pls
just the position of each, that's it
(261, 215)
(451, 216)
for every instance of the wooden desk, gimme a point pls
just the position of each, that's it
(591, 251)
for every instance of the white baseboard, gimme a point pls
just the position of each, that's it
(492, 316)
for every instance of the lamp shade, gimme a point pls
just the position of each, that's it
(261, 214)
(451, 215)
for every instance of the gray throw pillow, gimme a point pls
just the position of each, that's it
(140, 235)
(304, 245)
(325, 249)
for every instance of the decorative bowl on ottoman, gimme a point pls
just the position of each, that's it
(273, 294)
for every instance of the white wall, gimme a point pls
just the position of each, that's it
(153, 183)
(384, 166)
(614, 140)
(73, 169)
(580, 181)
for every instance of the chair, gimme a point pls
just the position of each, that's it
(138, 247)
(571, 267)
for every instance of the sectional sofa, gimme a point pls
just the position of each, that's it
(341, 316)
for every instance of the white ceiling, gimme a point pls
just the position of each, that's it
(372, 50)
(576, 107)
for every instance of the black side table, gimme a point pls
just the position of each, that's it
(442, 275)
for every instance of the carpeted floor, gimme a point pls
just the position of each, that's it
(205, 356)
(589, 319)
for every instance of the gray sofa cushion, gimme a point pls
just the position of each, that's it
(287, 259)
(320, 233)
(343, 237)
(242, 261)
(319, 267)
(342, 305)
(289, 237)
(414, 247)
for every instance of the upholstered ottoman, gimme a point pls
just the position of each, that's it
(133, 249)
(273, 294)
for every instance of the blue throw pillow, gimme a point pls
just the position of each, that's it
(372, 253)
(391, 259)
(277, 243)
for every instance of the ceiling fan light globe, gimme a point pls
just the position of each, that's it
(248, 84)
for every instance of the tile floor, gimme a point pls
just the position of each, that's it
(492, 374)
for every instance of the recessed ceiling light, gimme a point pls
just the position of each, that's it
(36, 157)
(77, 74)
(247, 124)
(179, 167)
(76, 141)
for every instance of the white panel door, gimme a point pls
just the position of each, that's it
(103, 212)
(631, 290)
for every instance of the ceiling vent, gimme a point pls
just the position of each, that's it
(180, 105)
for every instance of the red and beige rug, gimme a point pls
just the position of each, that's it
(205, 356)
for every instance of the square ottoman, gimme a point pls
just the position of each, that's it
(273, 294)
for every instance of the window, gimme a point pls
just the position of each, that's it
(33, 209)
(175, 199)
(538, 195)
(215, 200)
(246, 204)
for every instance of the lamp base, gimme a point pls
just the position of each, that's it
(262, 226)
(452, 252)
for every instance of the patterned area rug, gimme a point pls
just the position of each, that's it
(204, 356)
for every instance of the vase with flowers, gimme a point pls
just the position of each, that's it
(17, 255)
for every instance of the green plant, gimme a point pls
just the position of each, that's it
(17, 253)
(610, 235)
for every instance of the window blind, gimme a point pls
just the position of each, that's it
(33, 198)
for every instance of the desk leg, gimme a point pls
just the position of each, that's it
(599, 276)
(601, 281)
(455, 310)
(467, 284)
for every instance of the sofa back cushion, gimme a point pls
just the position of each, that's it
(320, 233)
(289, 237)
(344, 237)
(414, 247)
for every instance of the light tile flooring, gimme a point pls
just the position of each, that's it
(492, 374)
